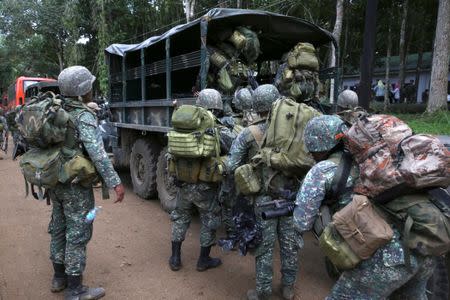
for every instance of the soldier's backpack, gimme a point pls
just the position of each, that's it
(194, 134)
(305, 85)
(194, 145)
(247, 42)
(303, 56)
(283, 148)
(391, 159)
(44, 123)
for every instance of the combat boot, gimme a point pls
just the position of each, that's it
(175, 259)
(253, 295)
(206, 262)
(76, 291)
(288, 292)
(59, 281)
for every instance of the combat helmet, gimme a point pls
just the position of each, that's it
(243, 99)
(347, 99)
(323, 133)
(75, 81)
(210, 99)
(264, 96)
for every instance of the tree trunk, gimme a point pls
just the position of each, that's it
(388, 63)
(344, 47)
(401, 74)
(239, 4)
(188, 6)
(419, 62)
(366, 67)
(337, 35)
(439, 72)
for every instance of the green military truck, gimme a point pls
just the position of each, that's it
(146, 78)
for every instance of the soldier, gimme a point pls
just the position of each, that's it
(71, 202)
(201, 195)
(3, 132)
(12, 124)
(385, 273)
(243, 149)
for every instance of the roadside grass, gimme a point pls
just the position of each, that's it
(437, 123)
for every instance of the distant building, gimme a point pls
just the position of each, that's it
(379, 73)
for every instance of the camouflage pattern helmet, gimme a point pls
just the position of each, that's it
(323, 133)
(347, 99)
(75, 81)
(243, 99)
(264, 96)
(210, 99)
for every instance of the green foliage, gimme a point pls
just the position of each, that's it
(437, 123)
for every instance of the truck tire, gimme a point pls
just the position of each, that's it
(143, 168)
(438, 286)
(165, 184)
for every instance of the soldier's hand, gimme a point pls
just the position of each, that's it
(120, 192)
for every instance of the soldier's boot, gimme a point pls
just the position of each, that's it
(59, 281)
(253, 295)
(205, 261)
(175, 259)
(288, 292)
(76, 291)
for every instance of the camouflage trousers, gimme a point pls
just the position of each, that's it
(283, 229)
(203, 197)
(69, 231)
(384, 275)
(227, 199)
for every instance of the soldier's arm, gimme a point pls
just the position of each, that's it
(312, 193)
(87, 130)
(239, 150)
(226, 139)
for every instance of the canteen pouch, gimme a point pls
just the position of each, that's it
(78, 169)
(337, 249)
(246, 180)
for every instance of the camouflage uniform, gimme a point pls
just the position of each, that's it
(4, 132)
(12, 125)
(71, 202)
(383, 273)
(203, 196)
(244, 148)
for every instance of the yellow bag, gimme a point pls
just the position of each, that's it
(238, 39)
(79, 169)
(337, 249)
(193, 144)
(246, 180)
(211, 169)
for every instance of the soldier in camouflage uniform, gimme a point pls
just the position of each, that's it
(69, 230)
(201, 195)
(385, 273)
(243, 149)
(3, 132)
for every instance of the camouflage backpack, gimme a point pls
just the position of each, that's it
(54, 155)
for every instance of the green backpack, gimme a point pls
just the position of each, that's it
(53, 156)
(194, 134)
(425, 220)
(283, 148)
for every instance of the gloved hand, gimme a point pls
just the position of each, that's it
(120, 192)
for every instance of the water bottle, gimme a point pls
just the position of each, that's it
(92, 214)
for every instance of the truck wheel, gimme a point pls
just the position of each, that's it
(438, 286)
(165, 184)
(143, 168)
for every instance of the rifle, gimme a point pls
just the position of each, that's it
(277, 208)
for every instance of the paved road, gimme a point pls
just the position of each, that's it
(128, 254)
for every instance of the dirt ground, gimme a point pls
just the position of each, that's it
(128, 253)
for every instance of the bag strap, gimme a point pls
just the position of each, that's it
(257, 134)
(340, 178)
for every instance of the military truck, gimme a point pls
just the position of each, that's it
(146, 78)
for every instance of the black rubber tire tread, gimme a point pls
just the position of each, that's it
(166, 194)
(438, 285)
(145, 189)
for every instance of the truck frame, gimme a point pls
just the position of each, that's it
(146, 78)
